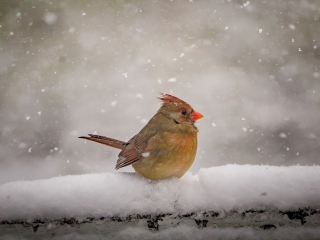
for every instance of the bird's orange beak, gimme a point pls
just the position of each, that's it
(195, 116)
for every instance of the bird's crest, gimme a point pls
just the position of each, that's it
(167, 98)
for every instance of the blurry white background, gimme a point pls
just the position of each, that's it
(68, 68)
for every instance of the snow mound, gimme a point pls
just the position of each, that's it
(221, 189)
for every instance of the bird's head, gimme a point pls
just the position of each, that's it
(179, 111)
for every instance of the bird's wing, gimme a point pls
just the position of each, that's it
(132, 152)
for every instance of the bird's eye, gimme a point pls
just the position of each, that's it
(184, 112)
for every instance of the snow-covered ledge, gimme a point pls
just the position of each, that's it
(264, 197)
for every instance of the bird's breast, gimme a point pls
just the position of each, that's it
(171, 155)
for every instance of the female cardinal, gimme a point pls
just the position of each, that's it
(165, 147)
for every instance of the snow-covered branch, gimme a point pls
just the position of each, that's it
(218, 189)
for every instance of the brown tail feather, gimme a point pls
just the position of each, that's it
(106, 141)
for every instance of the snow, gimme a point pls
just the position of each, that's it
(246, 3)
(221, 189)
(50, 18)
(172, 80)
(145, 154)
(292, 26)
(282, 135)
(139, 95)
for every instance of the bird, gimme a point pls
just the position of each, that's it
(165, 147)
